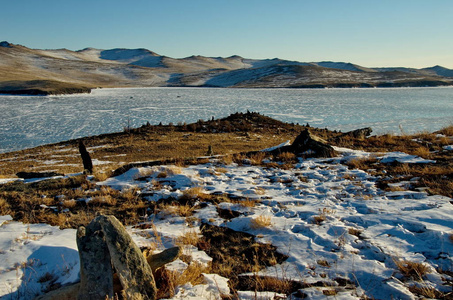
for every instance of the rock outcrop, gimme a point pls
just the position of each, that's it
(307, 144)
(359, 133)
(105, 243)
(96, 274)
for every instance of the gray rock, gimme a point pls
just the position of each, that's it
(96, 274)
(68, 292)
(359, 133)
(130, 264)
(310, 145)
(30, 175)
(158, 260)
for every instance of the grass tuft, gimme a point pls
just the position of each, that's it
(414, 270)
(260, 222)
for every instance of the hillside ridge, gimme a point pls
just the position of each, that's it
(79, 71)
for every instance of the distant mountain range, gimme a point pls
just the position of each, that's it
(33, 71)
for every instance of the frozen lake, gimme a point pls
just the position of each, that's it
(29, 121)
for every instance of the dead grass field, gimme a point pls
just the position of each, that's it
(74, 201)
(153, 143)
(233, 135)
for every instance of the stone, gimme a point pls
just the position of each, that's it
(104, 247)
(308, 144)
(86, 158)
(68, 292)
(210, 152)
(96, 273)
(158, 260)
(359, 133)
(30, 175)
(130, 264)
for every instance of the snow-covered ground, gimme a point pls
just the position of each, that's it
(333, 222)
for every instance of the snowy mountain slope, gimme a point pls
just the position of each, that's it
(120, 67)
(297, 76)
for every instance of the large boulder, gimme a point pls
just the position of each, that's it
(105, 243)
(105, 247)
(96, 274)
(133, 270)
(307, 144)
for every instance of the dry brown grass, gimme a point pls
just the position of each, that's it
(69, 203)
(102, 175)
(182, 210)
(221, 170)
(260, 222)
(103, 200)
(323, 263)
(319, 219)
(361, 163)
(323, 213)
(422, 152)
(428, 291)
(329, 292)
(247, 202)
(448, 131)
(258, 283)
(258, 157)
(190, 237)
(74, 201)
(354, 231)
(287, 157)
(410, 269)
(194, 193)
(4, 207)
(167, 281)
(155, 143)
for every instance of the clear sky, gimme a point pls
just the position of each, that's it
(407, 33)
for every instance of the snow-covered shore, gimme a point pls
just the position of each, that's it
(336, 226)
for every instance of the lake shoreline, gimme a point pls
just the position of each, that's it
(54, 91)
(31, 121)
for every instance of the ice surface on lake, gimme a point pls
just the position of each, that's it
(30, 121)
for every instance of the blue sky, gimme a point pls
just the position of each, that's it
(409, 33)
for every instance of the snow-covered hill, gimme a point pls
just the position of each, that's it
(120, 67)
